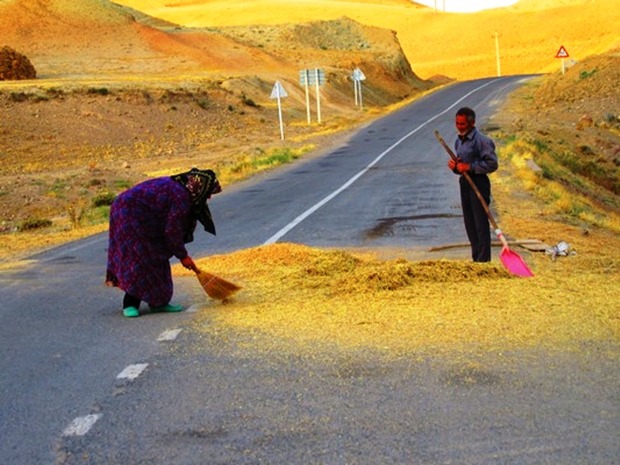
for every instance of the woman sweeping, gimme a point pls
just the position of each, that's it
(150, 223)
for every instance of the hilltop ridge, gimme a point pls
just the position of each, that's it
(458, 45)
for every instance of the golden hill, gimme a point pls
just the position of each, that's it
(94, 38)
(461, 46)
(97, 39)
(79, 37)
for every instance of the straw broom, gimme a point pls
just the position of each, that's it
(215, 287)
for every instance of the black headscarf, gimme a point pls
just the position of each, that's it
(201, 185)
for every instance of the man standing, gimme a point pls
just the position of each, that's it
(476, 155)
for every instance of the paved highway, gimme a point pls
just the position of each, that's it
(81, 385)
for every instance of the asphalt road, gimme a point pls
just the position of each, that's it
(81, 384)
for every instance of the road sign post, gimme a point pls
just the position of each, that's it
(358, 77)
(304, 79)
(318, 94)
(563, 54)
(307, 78)
(278, 93)
(497, 60)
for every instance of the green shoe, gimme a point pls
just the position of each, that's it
(169, 308)
(131, 312)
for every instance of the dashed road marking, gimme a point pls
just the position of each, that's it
(81, 425)
(132, 371)
(169, 335)
(193, 309)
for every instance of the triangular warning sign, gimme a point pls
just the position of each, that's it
(278, 91)
(562, 53)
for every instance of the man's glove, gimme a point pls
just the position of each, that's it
(188, 263)
(463, 167)
(452, 164)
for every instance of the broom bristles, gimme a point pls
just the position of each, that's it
(216, 287)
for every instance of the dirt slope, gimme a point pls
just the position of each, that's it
(573, 117)
(98, 38)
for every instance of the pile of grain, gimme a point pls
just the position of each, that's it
(301, 298)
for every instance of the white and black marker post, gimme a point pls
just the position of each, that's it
(279, 93)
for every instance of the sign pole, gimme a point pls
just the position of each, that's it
(358, 77)
(280, 114)
(563, 54)
(307, 79)
(499, 69)
(318, 97)
(278, 93)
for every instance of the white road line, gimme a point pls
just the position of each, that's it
(169, 335)
(81, 425)
(132, 371)
(277, 236)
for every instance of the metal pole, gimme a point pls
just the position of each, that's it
(280, 111)
(318, 98)
(307, 95)
(499, 69)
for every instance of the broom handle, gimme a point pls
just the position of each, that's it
(498, 231)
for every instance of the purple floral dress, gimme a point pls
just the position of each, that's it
(148, 224)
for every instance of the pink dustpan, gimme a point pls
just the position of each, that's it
(514, 263)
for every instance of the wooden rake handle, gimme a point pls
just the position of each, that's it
(498, 231)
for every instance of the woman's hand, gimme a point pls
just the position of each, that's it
(188, 263)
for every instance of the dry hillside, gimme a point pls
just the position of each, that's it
(573, 119)
(460, 46)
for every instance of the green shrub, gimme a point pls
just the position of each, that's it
(18, 96)
(587, 74)
(248, 101)
(30, 224)
(97, 215)
(98, 91)
(103, 199)
(96, 182)
(122, 184)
